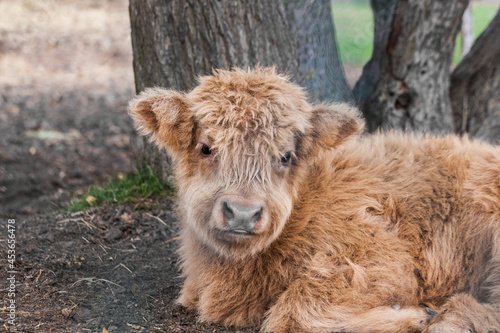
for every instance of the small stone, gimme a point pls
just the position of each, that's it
(66, 312)
(114, 234)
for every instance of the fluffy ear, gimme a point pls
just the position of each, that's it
(333, 124)
(164, 114)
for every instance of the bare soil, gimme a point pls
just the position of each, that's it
(65, 80)
(110, 268)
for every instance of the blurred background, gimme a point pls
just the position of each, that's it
(65, 80)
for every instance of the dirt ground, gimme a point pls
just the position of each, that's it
(65, 80)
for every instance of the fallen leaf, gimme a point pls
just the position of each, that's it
(90, 199)
(70, 135)
(125, 217)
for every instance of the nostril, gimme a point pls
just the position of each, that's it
(257, 215)
(227, 211)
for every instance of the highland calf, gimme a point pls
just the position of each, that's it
(293, 222)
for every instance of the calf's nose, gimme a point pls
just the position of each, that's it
(241, 219)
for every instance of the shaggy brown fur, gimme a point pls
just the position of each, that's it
(359, 234)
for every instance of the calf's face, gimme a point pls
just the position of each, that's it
(241, 143)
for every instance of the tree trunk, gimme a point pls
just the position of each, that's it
(320, 70)
(405, 85)
(475, 87)
(175, 41)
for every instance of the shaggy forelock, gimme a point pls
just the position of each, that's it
(249, 118)
(246, 157)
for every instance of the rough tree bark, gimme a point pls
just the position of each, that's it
(475, 87)
(320, 70)
(175, 41)
(406, 83)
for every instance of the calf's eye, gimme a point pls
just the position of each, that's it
(286, 158)
(205, 150)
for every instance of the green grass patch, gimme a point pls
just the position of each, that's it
(481, 17)
(135, 187)
(354, 29)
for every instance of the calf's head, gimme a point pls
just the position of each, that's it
(241, 143)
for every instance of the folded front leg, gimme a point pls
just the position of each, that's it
(303, 309)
